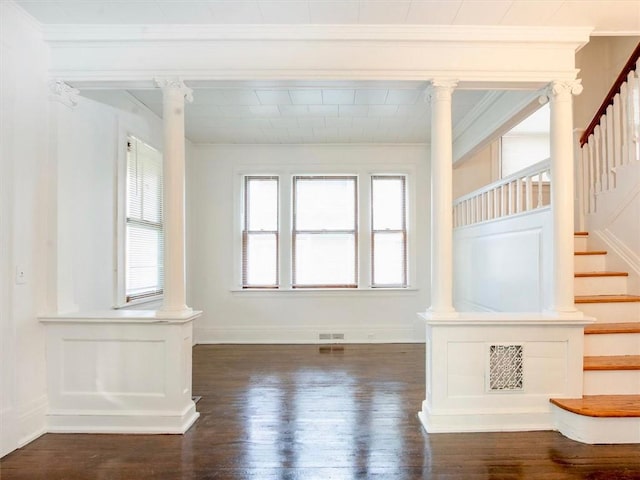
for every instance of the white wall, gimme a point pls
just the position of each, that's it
(90, 164)
(294, 316)
(479, 170)
(504, 265)
(23, 101)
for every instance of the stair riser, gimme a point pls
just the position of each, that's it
(596, 429)
(589, 263)
(611, 312)
(600, 286)
(580, 243)
(612, 382)
(612, 344)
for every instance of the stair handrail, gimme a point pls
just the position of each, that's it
(615, 89)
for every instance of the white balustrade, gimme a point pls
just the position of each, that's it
(614, 143)
(524, 191)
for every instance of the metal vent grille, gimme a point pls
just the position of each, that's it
(506, 371)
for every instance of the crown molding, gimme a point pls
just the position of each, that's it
(410, 33)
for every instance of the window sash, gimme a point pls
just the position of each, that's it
(247, 233)
(323, 232)
(402, 231)
(138, 169)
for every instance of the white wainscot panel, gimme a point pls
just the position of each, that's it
(113, 367)
(119, 372)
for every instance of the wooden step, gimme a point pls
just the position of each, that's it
(606, 328)
(612, 362)
(581, 234)
(601, 274)
(607, 298)
(612, 406)
(591, 252)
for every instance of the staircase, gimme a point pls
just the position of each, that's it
(609, 411)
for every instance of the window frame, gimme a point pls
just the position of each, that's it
(246, 232)
(402, 231)
(295, 231)
(286, 170)
(120, 297)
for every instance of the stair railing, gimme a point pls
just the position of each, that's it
(612, 139)
(524, 191)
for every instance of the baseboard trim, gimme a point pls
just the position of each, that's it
(32, 421)
(123, 422)
(522, 421)
(596, 430)
(309, 335)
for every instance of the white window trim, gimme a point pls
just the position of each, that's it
(120, 295)
(286, 174)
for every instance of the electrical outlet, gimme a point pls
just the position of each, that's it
(21, 276)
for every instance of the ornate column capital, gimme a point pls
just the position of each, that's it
(175, 84)
(560, 88)
(440, 89)
(61, 92)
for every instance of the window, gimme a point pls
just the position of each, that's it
(527, 143)
(324, 232)
(260, 233)
(144, 239)
(388, 231)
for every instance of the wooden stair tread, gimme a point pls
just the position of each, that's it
(612, 362)
(581, 234)
(602, 328)
(591, 252)
(606, 298)
(601, 274)
(612, 406)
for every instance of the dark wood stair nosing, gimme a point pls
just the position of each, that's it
(580, 234)
(591, 252)
(611, 362)
(600, 274)
(622, 298)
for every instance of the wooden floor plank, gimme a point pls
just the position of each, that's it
(610, 406)
(612, 362)
(290, 412)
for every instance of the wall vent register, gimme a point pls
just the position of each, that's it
(506, 372)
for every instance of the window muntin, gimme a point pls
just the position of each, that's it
(144, 230)
(388, 231)
(260, 234)
(324, 232)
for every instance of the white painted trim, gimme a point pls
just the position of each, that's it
(281, 334)
(122, 317)
(617, 246)
(84, 421)
(516, 420)
(507, 318)
(32, 420)
(375, 33)
(596, 430)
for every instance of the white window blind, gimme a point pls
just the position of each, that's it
(260, 232)
(144, 242)
(324, 240)
(388, 231)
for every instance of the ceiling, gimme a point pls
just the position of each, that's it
(330, 112)
(348, 113)
(606, 16)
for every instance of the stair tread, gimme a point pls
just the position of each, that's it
(581, 234)
(622, 327)
(612, 362)
(601, 274)
(601, 405)
(606, 298)
(591, 252)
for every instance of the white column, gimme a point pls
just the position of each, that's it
(562, 195)
(174, 94)
(440, 94)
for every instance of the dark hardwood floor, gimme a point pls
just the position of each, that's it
(293, 412)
